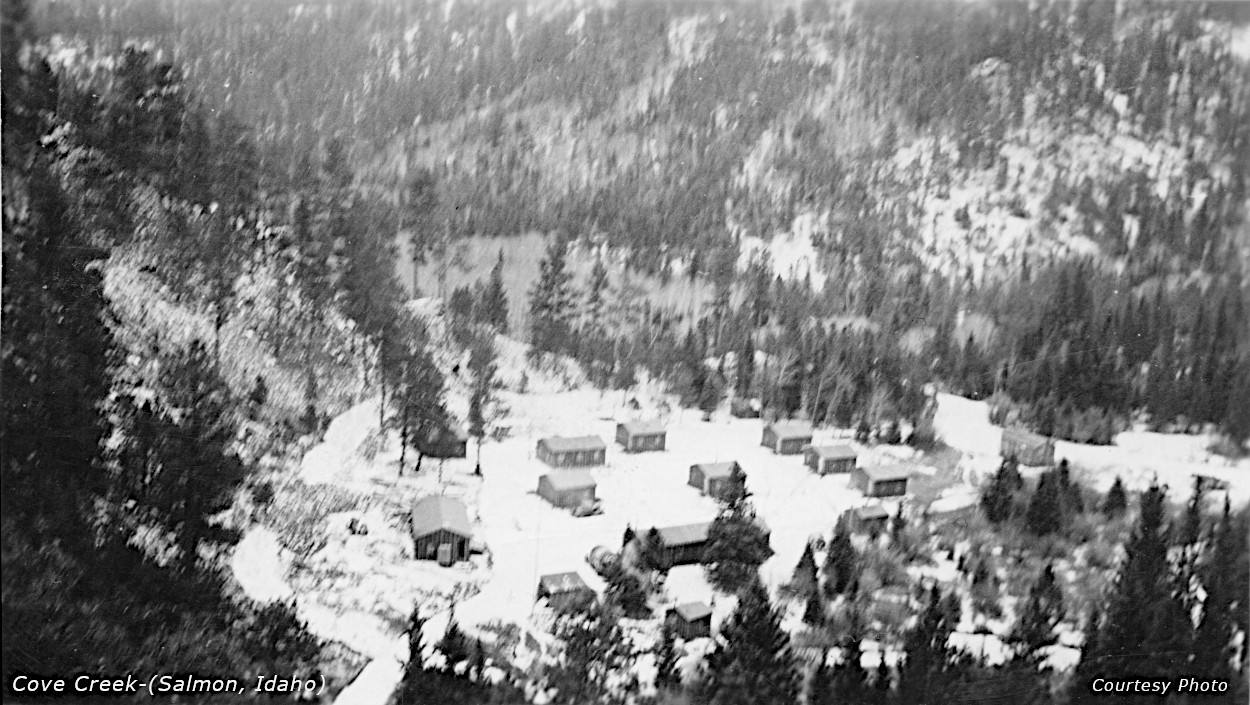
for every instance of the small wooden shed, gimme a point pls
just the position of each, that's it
(691, 620)
(565, 592)
(567, 488)
(710, 478)
(640, 436)
(881, 481)
(684, 545)
(870, 518)
(828, 459)
(1027, 447)
(440, 522)
(786, 437)
(578, 451)
(447, 442)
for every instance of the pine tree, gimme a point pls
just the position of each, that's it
(595, 660)
(998, 497)
(841, 562)
(814, 610)
(1044, 514)
(416, 652)
(454, 645)
(926, 672)
(1219, 621)
(746, 367)
(1116, 501)
(850, 677)
(805, 579)
(821, 689)
(417, 404)
(1146, 632)
(1035, 628)
(199, 471)
(624, 592)
(493, 303)
(667, 676)
(752, 664)
(551, 301)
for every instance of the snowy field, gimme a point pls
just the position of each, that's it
(359, 589)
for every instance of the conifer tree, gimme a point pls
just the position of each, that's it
(1224, 607)
(805, 577)
(454, 645)
(998, 496)
(850, 677)
(841, 562)
(926, 671)
(745, 367)
(752, 663)
(595, 660)
(1116, 500)
(199, 470)
(551, 301)
(820, 685)
(814, 610)
(736, 545)
(1042, 611)
(1146, 632)
(667, 676)
(1044, 514)
(493, 304)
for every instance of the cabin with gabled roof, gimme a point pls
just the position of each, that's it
(786, 437)
(829, 459)
(440, 529)
(641, 436)
(576, 451)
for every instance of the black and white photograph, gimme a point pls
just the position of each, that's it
(625, 352)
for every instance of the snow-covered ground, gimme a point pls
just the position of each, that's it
(1137, 457)
(358, 589)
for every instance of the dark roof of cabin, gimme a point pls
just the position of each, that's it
(570, 480)
(878, 473)
(1023, 435)
(685, 534)
(838, 452)
(643, 428)
(693, 611)
(715, 469)
(436, 512)
(556, 583)
(564, 444)
(790, 429)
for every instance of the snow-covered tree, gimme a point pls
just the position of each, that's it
(752, 663)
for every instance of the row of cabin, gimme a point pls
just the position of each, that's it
(589, 451)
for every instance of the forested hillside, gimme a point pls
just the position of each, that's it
(1044, 202)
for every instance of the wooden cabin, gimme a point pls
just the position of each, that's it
(829, 459)
(641, 436)
(1028, 448)
(691, 620)
(565, 452)
(786, 437)
(440, 529)
(872, 518)
(565, 592)
(710, 478)
(685, 544)
(567, 489)
(881, 481)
